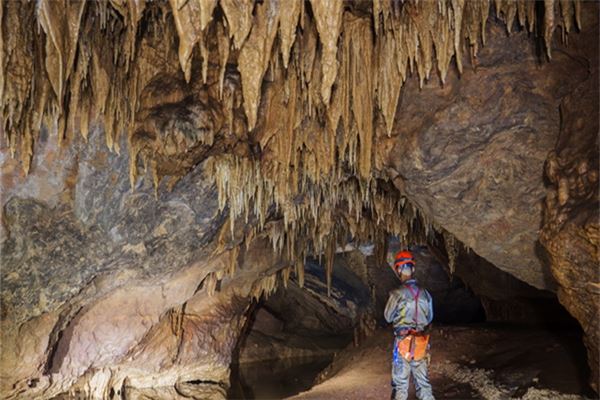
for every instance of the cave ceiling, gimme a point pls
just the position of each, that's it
(276, 95)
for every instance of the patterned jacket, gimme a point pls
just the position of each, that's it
(402, 311)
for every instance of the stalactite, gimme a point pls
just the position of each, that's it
(302, 165)
(132, 11)
(187, 21)
(329, 257)
(451, 250)
(388, 80)
(233, 260)
(285, 276)
(264, 287)
(61, 24)
(255, 55)
(239, 19)
(358, 46)
(328, 18)
(299, 270)
(210, 283)
(548, 24)
(287, 29)
(223, 45)
(458, 7)
(414, 34)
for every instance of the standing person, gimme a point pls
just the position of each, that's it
(410, 310)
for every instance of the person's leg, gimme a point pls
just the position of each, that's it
(400, 375)
(422, 385)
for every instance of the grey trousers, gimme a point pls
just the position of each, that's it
(401, 371)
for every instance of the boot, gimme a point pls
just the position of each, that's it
(397, 395)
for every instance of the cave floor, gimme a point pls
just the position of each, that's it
(468, 362)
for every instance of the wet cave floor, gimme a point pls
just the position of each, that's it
(483, 361)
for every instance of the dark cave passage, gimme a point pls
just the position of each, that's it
(517, 340)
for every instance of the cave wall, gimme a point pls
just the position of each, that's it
(109, 290)
(503, 297)
(471, 153)
(571, 224)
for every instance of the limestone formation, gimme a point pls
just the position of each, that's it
(571, 229)
(165, 164)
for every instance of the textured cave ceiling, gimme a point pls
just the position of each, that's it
(278, 95)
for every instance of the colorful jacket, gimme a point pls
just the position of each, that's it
(401, 311)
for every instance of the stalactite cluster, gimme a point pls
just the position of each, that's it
(319, 82)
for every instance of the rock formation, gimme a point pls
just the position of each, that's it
(571, 228)
(165, 163)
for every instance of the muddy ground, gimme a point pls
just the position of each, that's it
(470, 362)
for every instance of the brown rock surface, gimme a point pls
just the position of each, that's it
(571, 230)
(106, 289)
(470, 154)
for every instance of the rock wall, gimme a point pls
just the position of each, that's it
(471, 153)
(109, 290)
(571, 228)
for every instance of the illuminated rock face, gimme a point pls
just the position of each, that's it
(276, 141)
(571, 230)
(471, 154)
(117, 291)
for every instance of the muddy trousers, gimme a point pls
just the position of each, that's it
(401, 371)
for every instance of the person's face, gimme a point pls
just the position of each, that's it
(405, 273)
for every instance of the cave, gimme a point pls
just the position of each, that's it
(202, 199)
